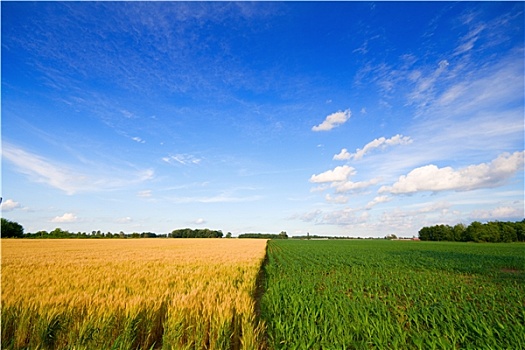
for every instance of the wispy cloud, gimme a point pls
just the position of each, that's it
(144, 194)
(138, 139)
(62, 177)
(333, 120)
(184, 159)
(466, 43)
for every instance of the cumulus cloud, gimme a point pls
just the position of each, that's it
(340, 173)
(343, 155)
(339, 180)
(67, 217)
(199, 221)
(381, 142)
(10, 205)
(333, 120)
(485, 175)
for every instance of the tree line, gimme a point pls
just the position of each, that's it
(281, 235)
(11, 229)
(196, 233)
(493, 231)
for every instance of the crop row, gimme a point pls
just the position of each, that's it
(394, 295)
(130, 294)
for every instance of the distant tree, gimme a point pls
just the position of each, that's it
(473, 231)
(520, 230)
(507, 232)
(197, 233)
(425, 234)
(41, 234)
(458, 232)
(229, 235)
(11, 229)
(281, 235)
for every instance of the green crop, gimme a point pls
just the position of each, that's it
(394, 295)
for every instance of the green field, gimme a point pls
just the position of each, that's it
(374, 294)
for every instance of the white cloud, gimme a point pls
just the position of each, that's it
(432, 178)
(340, 173)
(320, 188)
(199, 221)
(183, 159)
(467, 42)
(337, 199)
(343, 155)
(42, 170)
(138, 139)
(67, 217)
(499, 213)
(377, 143)
(333, 120)
(348, 186)
(424, 90)
(377, 200)
(10, 205)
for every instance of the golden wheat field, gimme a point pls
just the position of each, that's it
(131, 294)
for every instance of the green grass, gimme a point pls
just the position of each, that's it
(394, 295)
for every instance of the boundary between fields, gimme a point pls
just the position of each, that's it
(260, 284)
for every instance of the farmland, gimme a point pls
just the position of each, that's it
(394, 295)
(315, 294)
(129, 294)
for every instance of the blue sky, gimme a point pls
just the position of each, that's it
(341, 118)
